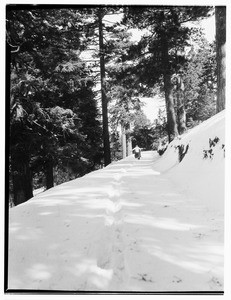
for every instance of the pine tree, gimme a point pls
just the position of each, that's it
(49, 83)
(107, 153)
(159, 53)
(198, 74)
(96, 33)
(110, 41)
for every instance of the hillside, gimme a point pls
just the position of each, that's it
(201, 171)
(149, 225)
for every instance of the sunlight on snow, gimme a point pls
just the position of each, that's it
(131, 204)
(109, 220)
(46, 213)
(163, 223)
(192, 266)
(53, 202)
(95, 204)
(96, 275)
(90, 216)
(123, 227)
(112, 193)
(39, 271)
(14, 227)
(73, 192)
(197, 258)
(143, 172)
(113, 207)
(30, 234)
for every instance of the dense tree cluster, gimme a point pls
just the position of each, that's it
(57, 131)
(54, 122)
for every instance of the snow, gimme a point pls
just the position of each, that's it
(38, 191)
(203, 178)
(137, 225)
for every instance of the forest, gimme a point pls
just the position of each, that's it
(76, 78)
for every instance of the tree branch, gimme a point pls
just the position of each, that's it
(40, 125)
(14, 51)
(109, 22)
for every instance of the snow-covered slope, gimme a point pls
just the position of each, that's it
(132, 226)
(201, 171)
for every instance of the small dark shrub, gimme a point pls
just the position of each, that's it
(212, 143)
(162, 150)
(182, 150)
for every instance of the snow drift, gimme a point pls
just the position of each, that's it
(201, 171)
(136, 225)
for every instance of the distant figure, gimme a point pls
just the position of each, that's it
(137, 152)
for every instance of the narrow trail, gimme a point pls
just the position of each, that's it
(148, 216)
(123, 228)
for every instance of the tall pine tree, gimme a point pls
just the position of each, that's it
(49, 84)
(159, 53)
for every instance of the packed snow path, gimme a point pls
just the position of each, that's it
(123, 228)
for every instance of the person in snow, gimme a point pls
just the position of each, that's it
(137, 152)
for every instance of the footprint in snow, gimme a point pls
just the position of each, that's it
(177, 279)
(214, 282)
(199, 235)
(103, 262)
(144, 277)
(67, 224)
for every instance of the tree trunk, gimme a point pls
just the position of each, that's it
(22, 182)
(129, 146)
(171, 115)
(220, 16)
(123, 137)
(168, 89)
(181, 114)
(181, 119)
(49, 174)
(106, 141)
(129, 141)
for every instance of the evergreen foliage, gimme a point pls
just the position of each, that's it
(55, 129)
(160, 53)
(54, 119)
(199, 76)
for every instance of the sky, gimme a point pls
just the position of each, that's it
(151, 107)
(209, 26)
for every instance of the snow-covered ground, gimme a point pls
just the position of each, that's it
(149, 225)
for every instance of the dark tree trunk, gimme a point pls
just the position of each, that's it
(22, 182)
(220, 16)
(124, 146)
(168, 89)
(181, 119)
(49, 174)
(171, 115)
(129, 141)
(106, 141)
(181, 113)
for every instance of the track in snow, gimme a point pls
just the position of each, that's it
(123, 228)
